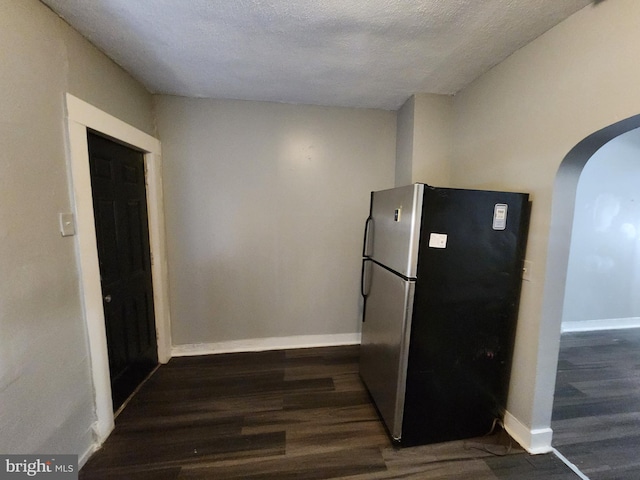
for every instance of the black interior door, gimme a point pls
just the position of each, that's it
(120, 210)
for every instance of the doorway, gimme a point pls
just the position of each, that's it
(122, 234)
(603, 275)
(563, 209)
(596, 399)
(81, 117)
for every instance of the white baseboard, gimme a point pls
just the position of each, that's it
(263, 344)
(534, 441)
(82, 458)
(601, 324)
(99, 435)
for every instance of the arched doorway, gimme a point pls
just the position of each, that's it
(563, 208)
(603, 275)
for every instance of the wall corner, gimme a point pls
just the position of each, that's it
(533, 440)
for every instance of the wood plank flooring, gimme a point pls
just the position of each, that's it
(294, 414)
(596, 414)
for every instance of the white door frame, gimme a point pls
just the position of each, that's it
(80, 116)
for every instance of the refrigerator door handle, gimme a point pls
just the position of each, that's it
(365, 284)
(367, 230)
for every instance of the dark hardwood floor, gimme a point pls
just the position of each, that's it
(294, 414)
(596, 414)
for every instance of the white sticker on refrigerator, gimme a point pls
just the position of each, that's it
(438, 240)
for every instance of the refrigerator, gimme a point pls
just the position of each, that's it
(441, 280)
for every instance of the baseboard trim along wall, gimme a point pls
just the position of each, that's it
(534, 441)
(263, 344)
(601, 324)
(91, 449)
(84, 457)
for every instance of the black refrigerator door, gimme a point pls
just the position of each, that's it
(466, 303)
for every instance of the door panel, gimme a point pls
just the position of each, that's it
(119, 198)
(385, 330)
(136, 254)
(105, 216)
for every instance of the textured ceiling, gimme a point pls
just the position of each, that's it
(359, 53)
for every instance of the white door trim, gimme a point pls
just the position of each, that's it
(80, 116)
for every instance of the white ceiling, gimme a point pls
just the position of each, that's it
(358, 53)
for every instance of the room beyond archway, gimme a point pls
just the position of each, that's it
(603, 272)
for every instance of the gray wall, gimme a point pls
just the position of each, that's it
(512, 129)
(603, 276)
(432, 139)
(424, 140)
(404, 143)
(46, 398)
(265, 207)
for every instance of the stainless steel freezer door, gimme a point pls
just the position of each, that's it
(385, 342)
(394, 231)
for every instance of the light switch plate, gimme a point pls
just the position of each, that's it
(67, 224)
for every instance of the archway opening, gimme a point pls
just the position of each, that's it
(566, 207)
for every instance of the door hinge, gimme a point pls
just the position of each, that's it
(151, 255)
